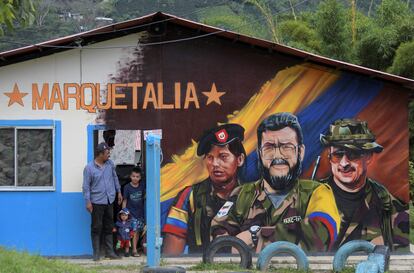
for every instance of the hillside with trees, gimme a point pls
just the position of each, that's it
(373, 33)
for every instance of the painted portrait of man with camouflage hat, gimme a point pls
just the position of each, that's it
(352, 205)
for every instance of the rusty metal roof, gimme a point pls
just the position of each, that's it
(124, 28)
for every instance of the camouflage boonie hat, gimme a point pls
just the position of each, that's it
(351, 134)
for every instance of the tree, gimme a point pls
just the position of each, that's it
(330, 26)
(393, 24)
(403, 63)
(377, 48)
(230, 18)
(391, 13)
(21, 11)
(267, 13)
(297, 33)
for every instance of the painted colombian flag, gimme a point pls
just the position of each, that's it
(177, 218)
(321, 207)
(318, 96)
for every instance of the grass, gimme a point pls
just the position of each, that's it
(236, 268)
(22, 262)
(348, 270)
(287, 270)
(215, 267)
(127, 268)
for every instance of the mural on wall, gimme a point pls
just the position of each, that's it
(250, 176)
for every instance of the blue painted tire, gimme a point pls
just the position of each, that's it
(367, 267)
(379, 260)
(347, 249)
(282, 247)
(384, 251)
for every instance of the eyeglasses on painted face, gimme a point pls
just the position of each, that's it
(287, 150)
(337, 156)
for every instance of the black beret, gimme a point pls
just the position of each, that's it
(220, 136)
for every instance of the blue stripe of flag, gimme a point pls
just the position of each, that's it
(176, 222)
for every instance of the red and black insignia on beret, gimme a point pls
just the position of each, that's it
(221, 135)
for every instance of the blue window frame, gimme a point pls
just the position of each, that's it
(30, 155)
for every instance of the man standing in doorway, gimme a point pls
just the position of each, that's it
(100, 188)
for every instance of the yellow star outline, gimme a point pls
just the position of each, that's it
(213, 95)
(15, 96)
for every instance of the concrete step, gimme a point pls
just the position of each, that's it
(398, 263)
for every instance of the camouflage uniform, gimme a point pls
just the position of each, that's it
(195, 206)
(373, 214)
(380, 218)
(190, 215)
(251, 207)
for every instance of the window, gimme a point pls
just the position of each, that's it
(26, 158)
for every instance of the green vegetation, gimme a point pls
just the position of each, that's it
(331, 27)
(18, 262)
(215, 267)
(16, 12)
(286, 270)
(348, 270)
(378, 34)
(111, 268)
(234, 267)
(403, 63)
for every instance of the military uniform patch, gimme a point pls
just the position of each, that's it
(222, 136)
(225, 209)
(293, 219)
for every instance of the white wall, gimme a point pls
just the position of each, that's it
(65, 67)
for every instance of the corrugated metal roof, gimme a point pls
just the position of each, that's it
(123, 28)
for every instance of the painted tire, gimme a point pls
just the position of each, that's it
(385, 252)
(229, 241)
(161, 269)
(347, 249)
(367, 267)
(282, 247)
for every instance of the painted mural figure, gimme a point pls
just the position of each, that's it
(189, 218)
(100, 189)
(351, 205)
(272, 208)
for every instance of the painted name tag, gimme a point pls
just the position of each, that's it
(291, 220)
(224, 209)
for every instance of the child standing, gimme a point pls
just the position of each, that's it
(124, 228)
(134, 201)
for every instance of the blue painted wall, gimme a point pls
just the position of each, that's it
(49, 223)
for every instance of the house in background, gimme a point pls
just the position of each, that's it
(165, 72)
